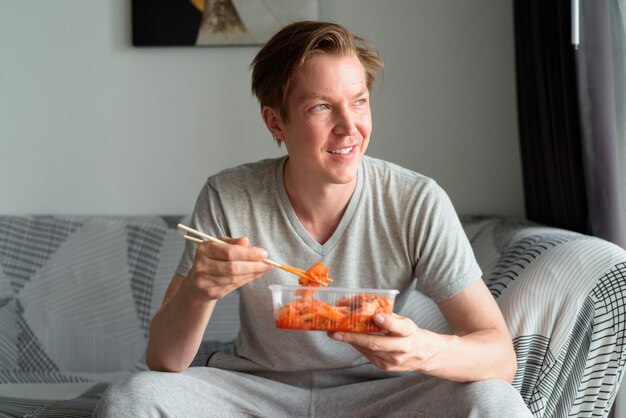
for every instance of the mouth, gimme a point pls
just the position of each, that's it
(342, 151)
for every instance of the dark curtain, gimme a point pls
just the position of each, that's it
(550, 138)
(568, 139)
(596, 86)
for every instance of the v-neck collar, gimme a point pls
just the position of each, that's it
(321, 249)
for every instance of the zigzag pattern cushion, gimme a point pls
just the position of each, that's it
(77, 295)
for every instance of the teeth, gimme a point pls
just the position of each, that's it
(342, 151)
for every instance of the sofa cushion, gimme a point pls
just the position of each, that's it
(77, 293)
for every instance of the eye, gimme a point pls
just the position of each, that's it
(360, 102)
(321, 106)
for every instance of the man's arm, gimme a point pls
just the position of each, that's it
(177, 328)
(480, 348)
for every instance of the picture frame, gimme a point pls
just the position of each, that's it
(214, 22)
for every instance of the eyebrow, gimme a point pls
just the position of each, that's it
(321, 96)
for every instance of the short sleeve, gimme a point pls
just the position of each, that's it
(445, 263)
(207, 217)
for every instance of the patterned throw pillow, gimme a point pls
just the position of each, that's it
(77, 295)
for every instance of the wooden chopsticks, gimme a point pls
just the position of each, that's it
(204, 237)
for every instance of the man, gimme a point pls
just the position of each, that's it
(374, 224)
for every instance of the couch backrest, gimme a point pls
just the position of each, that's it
(77, 294)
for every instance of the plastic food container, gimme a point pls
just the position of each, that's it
(329, 308)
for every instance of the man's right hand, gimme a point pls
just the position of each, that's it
(219, 269)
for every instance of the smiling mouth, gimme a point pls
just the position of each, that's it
(342, 151)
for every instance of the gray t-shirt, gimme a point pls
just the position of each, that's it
(399, 226)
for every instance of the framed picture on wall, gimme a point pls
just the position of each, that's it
(214, 22)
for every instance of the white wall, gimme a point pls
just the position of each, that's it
(91, 125)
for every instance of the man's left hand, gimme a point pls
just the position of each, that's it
(401, 347)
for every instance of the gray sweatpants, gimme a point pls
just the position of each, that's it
(359, 392)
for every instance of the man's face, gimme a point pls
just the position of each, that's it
(329, 120)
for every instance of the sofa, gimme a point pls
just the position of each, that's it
(77, 294)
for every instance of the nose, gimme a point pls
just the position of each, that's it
(345, 122)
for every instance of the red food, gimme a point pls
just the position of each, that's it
(350, 314)
(317, 275)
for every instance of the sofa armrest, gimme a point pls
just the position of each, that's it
(562, 295)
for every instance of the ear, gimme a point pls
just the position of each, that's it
(273, 121)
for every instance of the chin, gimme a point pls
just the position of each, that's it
(344, 178)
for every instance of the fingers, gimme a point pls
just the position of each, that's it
(220, 268)
(395, 328)
(236, 249)
(228, 260)
(394, 324)
(395, 350)
(390, 324)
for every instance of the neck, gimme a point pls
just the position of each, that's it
(318, 207)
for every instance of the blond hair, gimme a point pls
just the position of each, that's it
(276, 65)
